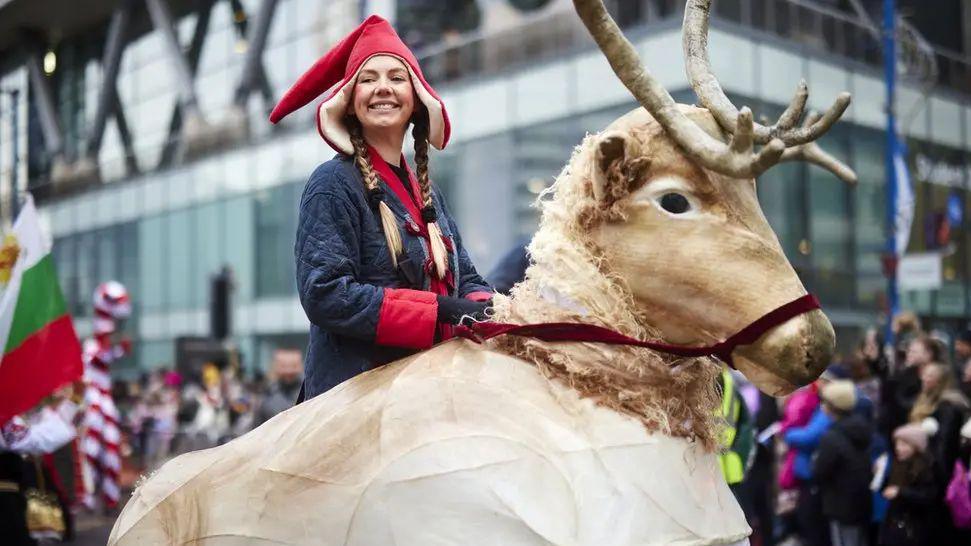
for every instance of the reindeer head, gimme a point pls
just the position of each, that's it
(680, 223)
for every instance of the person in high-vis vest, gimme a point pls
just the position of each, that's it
(738, 438)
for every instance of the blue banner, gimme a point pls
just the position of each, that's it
(903, 194)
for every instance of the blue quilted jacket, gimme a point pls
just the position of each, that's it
(363, 312)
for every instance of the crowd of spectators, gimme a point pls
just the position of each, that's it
(876, 452)
(166, 413)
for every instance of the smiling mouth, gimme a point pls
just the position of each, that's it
(383, 107)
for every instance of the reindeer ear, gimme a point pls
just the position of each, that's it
(615, 165)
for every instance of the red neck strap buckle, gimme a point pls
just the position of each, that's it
(569, 331)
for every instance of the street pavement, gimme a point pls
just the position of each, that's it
(92, 529)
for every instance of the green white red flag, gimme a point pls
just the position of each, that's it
(41, 351)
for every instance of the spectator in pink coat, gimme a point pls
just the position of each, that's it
(797, 411)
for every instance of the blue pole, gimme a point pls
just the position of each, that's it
(890, 73)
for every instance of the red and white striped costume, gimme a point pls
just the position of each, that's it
(100, 440)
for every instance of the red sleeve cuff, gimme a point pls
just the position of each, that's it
(479, 296)
(407, 318)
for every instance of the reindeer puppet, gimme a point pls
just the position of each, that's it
(652, 231)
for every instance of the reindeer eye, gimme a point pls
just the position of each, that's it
(675, 203)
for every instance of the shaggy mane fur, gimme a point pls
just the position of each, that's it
(569, 281)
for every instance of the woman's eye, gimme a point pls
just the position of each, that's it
(675, 203)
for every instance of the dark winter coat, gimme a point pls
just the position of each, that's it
(944, 446)
(843, 472)
(909, 516)
(279, 397)
(13, 504)
(806, 440)
(899, 394)
(511, 268)
(363, 312)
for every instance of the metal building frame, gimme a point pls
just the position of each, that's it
(189, 132)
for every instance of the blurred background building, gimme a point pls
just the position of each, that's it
(140, 126)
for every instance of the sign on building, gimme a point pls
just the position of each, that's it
(920, 271)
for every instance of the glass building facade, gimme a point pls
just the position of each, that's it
(166, 231)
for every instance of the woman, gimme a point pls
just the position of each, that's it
(804, 440)
(911, 490)
(903, 387)
(940, 401)
(381, 269)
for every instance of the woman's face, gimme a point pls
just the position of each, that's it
(903, 450)
(930, 378)
(918, 353)
(871, 348)
(383, 96)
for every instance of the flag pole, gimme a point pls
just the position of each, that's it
(890, 73)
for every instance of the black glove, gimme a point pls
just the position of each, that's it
(460, 310)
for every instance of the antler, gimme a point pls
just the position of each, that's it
(738, 158)
(695, 43)
(812, 153)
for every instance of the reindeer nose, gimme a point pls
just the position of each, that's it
(817, 343)
(790, 355)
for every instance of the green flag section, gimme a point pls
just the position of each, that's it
(41, 351)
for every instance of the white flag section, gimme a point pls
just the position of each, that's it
(904, 192)
(40, 348)
(32, 246)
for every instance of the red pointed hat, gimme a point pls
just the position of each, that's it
(340, 66)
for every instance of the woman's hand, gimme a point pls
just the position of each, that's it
(461, 311)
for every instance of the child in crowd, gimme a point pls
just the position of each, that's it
(911, 490)
(842, 466)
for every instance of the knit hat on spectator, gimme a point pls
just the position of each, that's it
(835, 372)
(914, 434)
(840, 394)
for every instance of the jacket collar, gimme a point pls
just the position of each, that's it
(407, 197)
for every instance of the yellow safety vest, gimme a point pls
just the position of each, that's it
(732, 465)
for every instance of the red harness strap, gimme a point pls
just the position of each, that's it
(570, 331)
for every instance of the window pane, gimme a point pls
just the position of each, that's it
(917, 242)
(152, 252)
(965, 229)
(941, 235)
(444, 169)
(781, 196)
(539, 153)
(240, 245)
(209, 254)
(177, 259)
(870, 207)
(476, 165)
(155, 354)
(939, 177)
(128, 261)
(65, 259)
(276, 227)
(829, 206)
(106, 268)
(87, 270)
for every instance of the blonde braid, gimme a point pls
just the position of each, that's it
(374, 192)
(428, 213)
